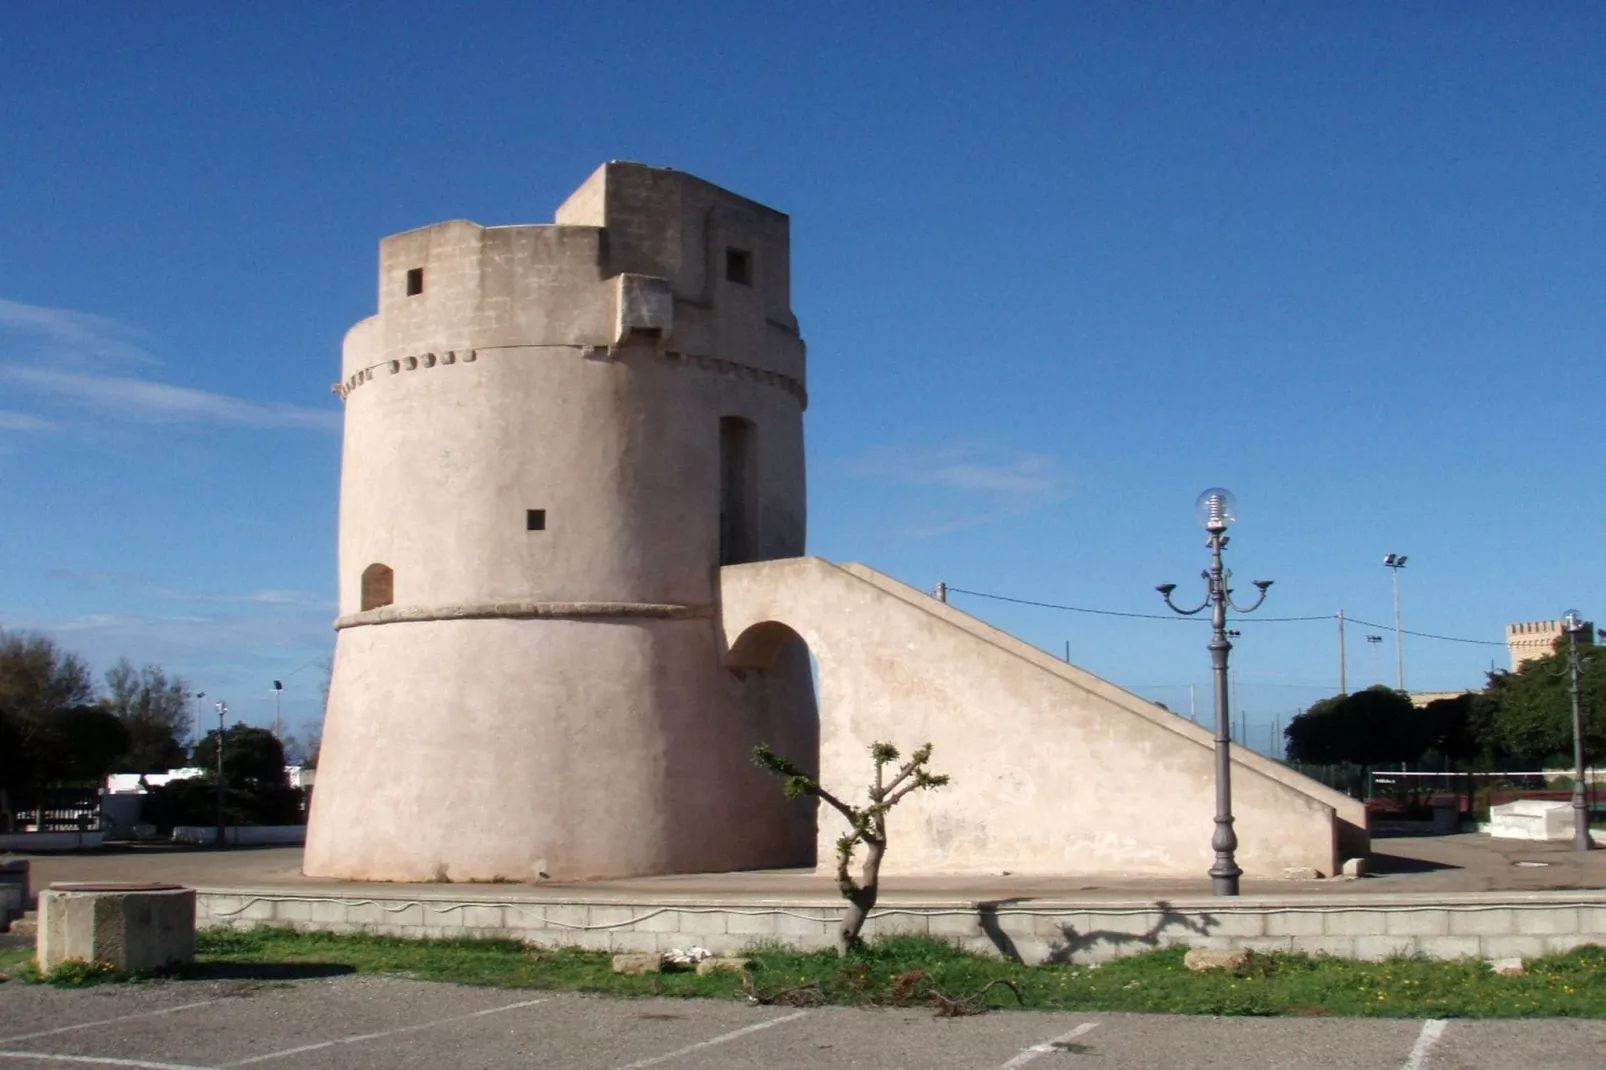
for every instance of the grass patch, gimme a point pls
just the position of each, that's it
(15, 962)
(909, 970)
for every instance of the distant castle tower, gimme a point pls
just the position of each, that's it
(1538, 638)
(555, 435)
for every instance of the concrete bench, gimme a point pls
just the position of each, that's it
(1532, 819)
(131, 926)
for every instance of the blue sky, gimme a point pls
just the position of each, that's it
(1059, 266)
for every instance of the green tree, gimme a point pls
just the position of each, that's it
(37, 680)
(866, 824)
(252, 758)
(78, 745)
(155, 708)
(1378, 726)
(1530, 711)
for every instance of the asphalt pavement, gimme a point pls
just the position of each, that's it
(352, 1021)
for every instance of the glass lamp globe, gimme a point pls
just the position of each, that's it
(1572, 620)
(1217, 509)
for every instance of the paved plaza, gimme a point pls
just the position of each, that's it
(1402, 865)
(352, 1021)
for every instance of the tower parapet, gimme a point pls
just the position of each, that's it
(1538, 638)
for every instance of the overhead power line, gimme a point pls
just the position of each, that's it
(1200, 620)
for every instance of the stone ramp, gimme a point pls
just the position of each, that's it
(1054, 769)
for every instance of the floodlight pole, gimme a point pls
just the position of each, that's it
(1581, 839)
(1395, 562)
(1216, 508)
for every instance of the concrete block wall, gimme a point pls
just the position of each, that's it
(1492, 925)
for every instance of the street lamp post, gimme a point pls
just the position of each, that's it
(1373, 642)
(1217, 510)
(1574, 624)
(1395, 562)
(222, 711)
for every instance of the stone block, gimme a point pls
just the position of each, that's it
(1267, 944)
(791, 925)
(1209, 958)
(959, 926)
(1565, 942)
(133, 927)
(1532, 819)
(1352, 923)
(567, 915)
(610, 916)
(1302, 873)
(365, 915)
(658, 921)
(1416, 923)
(1511, 967)
(1354, 867)
(1496, 922)
(1592, 920)
(739, 923)
(292, 910)
(702, 921)
(1506, 947)
(637, 964)
(1228, 924)
(329, 912)
(1449, 947)
(1294, 923)
(484, 917)
(1377, 948)
(1547, 921)
(256, 910)
(633, 941)
(1337, 946)
(721, 964)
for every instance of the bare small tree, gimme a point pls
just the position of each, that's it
(867, 824)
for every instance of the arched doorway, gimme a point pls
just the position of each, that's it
(775, 671)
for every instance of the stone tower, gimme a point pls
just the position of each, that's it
(555, 436)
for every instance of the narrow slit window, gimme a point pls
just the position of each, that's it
(739, 266)
(415, 281)
(535, 520)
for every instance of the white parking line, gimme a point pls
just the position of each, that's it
(1047, 1046)
(360, 1037)
(99, 1060)
(722, 1038)
(1432, 1029)
(107, 1021)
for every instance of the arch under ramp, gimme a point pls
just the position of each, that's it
(1055, 771)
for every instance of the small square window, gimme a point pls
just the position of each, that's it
(739, 265)
(415, 281)
(535, 520)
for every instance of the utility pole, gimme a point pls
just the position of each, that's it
(278, 724)
(1193, 704)
(222, 712)
(1067, 651)
(942, 592)
(1343, 688)
(1395, 562)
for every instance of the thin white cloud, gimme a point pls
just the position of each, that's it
(23, 421)
(984, 484)
(966, 467)
(61, 355)
(144, 399)
(74, 337)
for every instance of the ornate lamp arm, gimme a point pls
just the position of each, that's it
(1260, 585)
(1165, 590)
